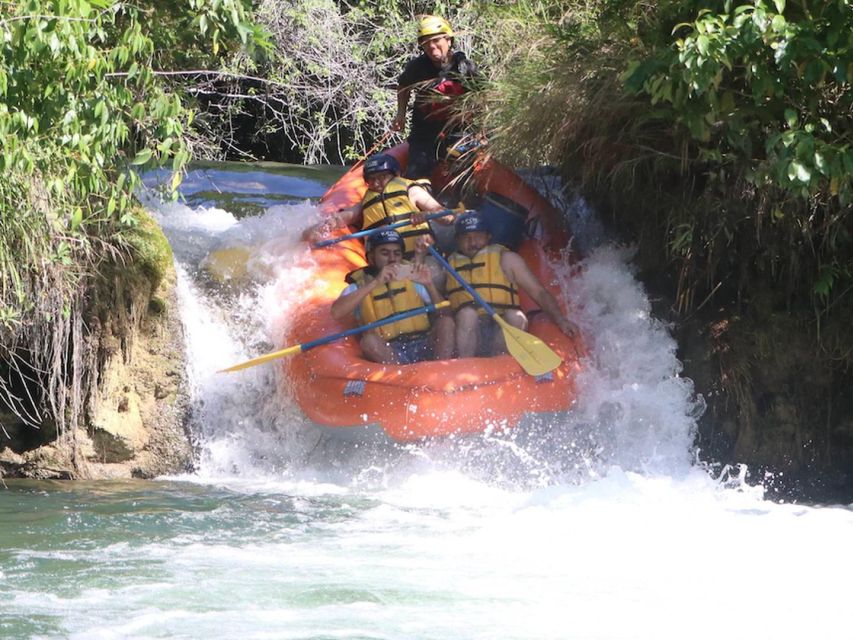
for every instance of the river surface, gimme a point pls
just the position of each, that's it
(602, 524)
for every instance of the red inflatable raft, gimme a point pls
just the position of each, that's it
(337, 388)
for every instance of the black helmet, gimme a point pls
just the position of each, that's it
(474, 221)
(381, 162)
(386, 236)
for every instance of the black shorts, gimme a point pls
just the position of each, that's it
(488, 329)
(423, 157)
(411, 350)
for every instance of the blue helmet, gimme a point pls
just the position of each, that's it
(386, 236)
(379, 163)
(470, 222)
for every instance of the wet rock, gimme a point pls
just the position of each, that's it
(135, 403)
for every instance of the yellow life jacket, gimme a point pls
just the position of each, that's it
(483, 272)
(393, 205)
(386, 300)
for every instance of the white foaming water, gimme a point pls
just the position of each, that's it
(644, 413)
(440, 555)
(244, 425)
(634, 411)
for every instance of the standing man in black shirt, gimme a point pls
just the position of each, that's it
(436, 77)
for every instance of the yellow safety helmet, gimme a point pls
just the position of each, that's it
(432, 26)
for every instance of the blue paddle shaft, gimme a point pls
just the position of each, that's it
(444, 263)
(367, 232)
(372, 325)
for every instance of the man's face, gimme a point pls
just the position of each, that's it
(377, 181)
(437, 49)
(385, 254)
(471, 242)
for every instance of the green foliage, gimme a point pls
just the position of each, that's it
(83, 109)
(762, 91)
(764, 85)
(81, 102)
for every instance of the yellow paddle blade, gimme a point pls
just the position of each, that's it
(534, 356)
(264, 358)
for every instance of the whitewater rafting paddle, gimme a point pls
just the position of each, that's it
(305, 346)
(396, 225)
(373, 149)
(534, 356)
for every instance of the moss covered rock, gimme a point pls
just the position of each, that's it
(136, 403)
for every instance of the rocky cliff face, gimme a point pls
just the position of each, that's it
(775, 402)
(135, 399)
(136, 417)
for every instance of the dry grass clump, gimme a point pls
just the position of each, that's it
(41, 298)
(559, 94)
